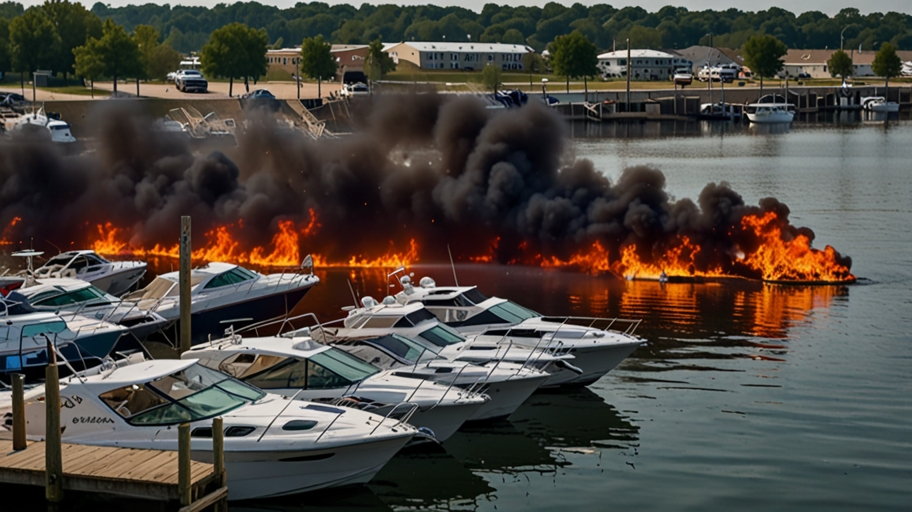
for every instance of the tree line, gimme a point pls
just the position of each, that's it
(187, 28)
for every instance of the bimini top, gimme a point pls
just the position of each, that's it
(144, 371)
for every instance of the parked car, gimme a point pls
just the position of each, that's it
(260, 98)
(258, 94)
(11, 99)
(683, 77)
(191, 80)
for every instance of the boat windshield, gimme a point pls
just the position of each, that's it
(56, 298)
(60, 259)
(329, 369)
(193, 394)
(441, 336)
(512, 312)
(405, 348)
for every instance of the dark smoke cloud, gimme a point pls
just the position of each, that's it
(437, 169)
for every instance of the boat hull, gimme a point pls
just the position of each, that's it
(209, 321)
(594, 361)
(507, 396)
(119, 281)
(445, 421)
(777, 117)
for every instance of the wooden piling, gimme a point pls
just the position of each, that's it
(218, 450)
(183, 464)
(53, 458)
(19, 412)
(218, 460)
(184, 284)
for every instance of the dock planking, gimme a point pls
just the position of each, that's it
(149, 474)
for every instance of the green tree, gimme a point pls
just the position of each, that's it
(573, 56)
(146, 39)
(4, 45)
(74, 25)
(378, 62)
(316, 59)
(118, 53)
(840, 64)
(533, 63)
(491, 76)
(235, 51)
(32, 42)
(886, 64)
(88, 61)
(164, 60)
(513, 36)
(763, 55)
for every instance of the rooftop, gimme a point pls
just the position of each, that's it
(469, 47)
(638, 54)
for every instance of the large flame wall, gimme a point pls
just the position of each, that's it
(419, 173)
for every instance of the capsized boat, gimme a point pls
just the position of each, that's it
(598, 344)
(224, 291)
(274, 445)
(311, 371)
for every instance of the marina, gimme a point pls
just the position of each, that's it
(717, 365)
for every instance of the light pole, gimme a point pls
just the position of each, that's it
(842, 35)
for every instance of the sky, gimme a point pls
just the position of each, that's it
(829, 7)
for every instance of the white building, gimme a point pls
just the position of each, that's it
(645, 64)
(460, 55)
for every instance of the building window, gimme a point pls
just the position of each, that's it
(490, 56)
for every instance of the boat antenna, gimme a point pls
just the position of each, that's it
(350, 287)
(452, 265)
(55, 247)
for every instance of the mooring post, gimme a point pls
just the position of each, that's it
(183, 464)
(184, 282)
(218, 458)
(18, 412)
(53, 458)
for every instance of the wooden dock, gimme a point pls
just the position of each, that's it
(148, 474)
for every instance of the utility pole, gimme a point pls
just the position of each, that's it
(628, 74)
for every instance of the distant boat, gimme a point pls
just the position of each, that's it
(879, 104)
(771, 108)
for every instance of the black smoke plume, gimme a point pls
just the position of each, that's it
(437, 169)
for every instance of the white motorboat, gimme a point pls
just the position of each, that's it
(274, 445)
(375, 320)
(769, 113)
(308, 370)
(597, 343)
(508, 384)
(114, 277)
(878, 104)
(26, 333)
(223, 291)
(78, 297)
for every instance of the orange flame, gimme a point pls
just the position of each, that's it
(7, 232)
(775, 259)
(390, 259)
(790, 260)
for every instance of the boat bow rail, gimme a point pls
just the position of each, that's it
(610, 324)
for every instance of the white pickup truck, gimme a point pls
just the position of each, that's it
(190, 80)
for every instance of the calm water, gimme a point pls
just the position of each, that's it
(748, 396)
